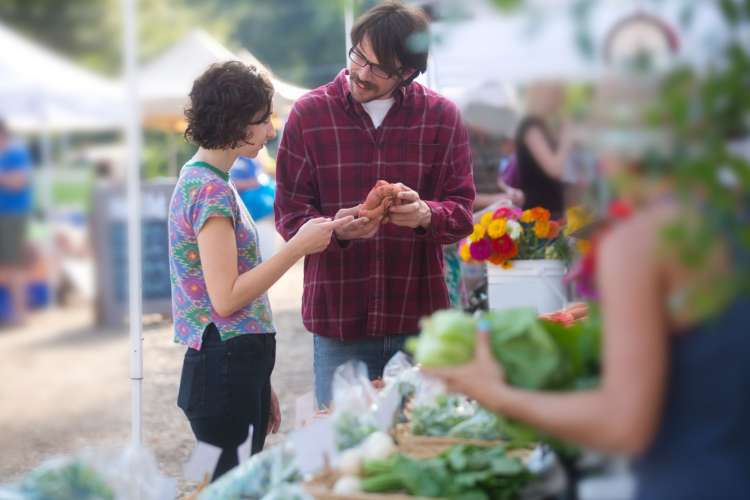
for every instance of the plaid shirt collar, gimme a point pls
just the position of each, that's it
(404, 96)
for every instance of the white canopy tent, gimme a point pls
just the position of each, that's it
(41, 91)
(482, 57)
(165, 82)
(540, 42)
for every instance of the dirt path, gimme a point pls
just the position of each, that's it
(64, 385)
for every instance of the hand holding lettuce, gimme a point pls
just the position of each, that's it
(535, 354)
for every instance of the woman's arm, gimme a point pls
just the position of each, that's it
(623, 413)
(230, 291)
(551, 160)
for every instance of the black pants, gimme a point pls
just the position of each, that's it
(226, 387)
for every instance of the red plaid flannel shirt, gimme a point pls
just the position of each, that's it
(329, 158)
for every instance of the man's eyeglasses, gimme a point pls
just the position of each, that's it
(357, 58)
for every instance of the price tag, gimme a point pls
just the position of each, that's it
(314, 446)
(244, 450)
(202, 462)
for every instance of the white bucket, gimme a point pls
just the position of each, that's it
(529, 283)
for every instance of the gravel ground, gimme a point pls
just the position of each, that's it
(64, 385)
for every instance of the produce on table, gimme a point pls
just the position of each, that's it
(379, 201)
(63, 480)
(350, 429)
(259, 476)
(461, 472)
(455, 416)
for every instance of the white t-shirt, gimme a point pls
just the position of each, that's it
(377, 109)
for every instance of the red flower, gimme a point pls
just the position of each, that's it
(503, 213)
(505, 247)
(620, 209)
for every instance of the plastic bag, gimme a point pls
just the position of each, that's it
(353, 401)
(95, 475)
(256, 477)
(288, 492)
(482, 425)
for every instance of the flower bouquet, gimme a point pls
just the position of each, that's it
(528, 251)
(512, 234)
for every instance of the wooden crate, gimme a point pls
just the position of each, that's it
(432, 446)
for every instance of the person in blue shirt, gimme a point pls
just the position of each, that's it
(15, 208)
(255, 188)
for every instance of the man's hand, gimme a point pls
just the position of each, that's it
(274, 417)
(413, 211)
(359, 228)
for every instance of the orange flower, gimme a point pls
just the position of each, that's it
(542, 229)
(554, 229)
(583, 246)
(540, 214)
(507, 264)
(497, 259)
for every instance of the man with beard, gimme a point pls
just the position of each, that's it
(364, 295)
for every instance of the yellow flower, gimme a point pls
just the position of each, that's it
(527, 216)
(583, 246)
(496, 228)
(541, 228)
(465, 253)
(507, 264)
(479, 232)
(576, 218)
(486, 220)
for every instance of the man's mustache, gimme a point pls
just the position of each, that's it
(366, 85)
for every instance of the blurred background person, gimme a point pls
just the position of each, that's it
(543, 144)
(257, 191)
(15, 209)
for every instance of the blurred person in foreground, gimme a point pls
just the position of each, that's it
(219, 282)
(15, 209)
(364, 295)
(674, 391)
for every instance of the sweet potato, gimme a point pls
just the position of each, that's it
(379, 201)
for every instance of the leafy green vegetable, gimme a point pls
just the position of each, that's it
(351, 429)
(70, 480)
(461, 472)
(447, 338)
(529, 356)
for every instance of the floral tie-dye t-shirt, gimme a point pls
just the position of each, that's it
(202, 192)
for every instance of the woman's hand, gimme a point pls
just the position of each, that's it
(315, 235)
(274, 417)
(482, 379)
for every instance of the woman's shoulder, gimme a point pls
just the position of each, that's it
(640, 233)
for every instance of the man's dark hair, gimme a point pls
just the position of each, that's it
(224, 101)
(398, 34)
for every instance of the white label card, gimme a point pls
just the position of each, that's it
(243, 451)
(314, 446)
(202, 462)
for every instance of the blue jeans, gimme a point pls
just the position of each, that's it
(330, 353)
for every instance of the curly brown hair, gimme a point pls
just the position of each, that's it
(224, 101)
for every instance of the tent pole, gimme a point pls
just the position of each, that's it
(133, 139)
(348, 23)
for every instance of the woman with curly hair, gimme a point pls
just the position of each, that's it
(220, 307)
